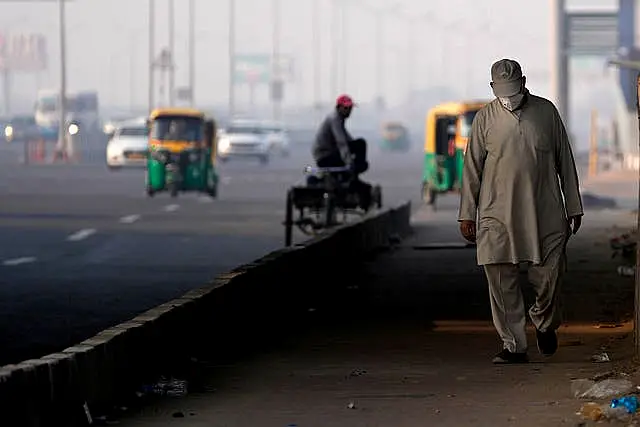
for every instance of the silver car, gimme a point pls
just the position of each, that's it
(128, 146)
(244, 140)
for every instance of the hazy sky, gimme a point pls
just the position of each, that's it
(108, 45)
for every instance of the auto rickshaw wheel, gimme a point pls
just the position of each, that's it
(173, 189)
(213, 191)
(429, 194)
(211, 185)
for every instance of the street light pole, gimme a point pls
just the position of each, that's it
(172, 49)
(333, 76)
(132, 73)
(232, 58)
(62, 128)
(152, 30)
(411, 62)
(344, 48)
(276, 71)
(379, 56)
(192, 51)
(317, 48)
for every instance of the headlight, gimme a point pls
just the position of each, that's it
(73, 129)
(8, 131)
(223, 144)
(108, 128)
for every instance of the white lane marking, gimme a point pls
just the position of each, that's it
(18, 261)
(81, 235)
(129, 219)
(205, 199)
(171, 208)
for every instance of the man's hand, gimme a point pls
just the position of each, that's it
(575, 222)
(468, 230)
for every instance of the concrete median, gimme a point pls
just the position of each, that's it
(248, 306)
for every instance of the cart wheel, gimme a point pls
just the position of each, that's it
(329, 209)
(377, 196)
(288, 219)
(150, 191)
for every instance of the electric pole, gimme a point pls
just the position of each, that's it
(276, 72)
(232, 58)
(152, 59)
(62, 125)
(192, 51)
(172, 50)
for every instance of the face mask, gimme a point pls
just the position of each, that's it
(511, 102)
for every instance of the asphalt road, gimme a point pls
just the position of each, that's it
(83, 248)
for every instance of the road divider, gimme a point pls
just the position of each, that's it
(249, 306)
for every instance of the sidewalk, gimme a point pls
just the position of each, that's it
(411, 345)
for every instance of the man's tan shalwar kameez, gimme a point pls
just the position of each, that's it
(517, 167)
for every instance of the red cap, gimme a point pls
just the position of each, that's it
(344, 101)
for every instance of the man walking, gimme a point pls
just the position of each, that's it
(517, 167)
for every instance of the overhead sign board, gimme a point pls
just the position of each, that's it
(23, 52)
(592, 33)
(260, 69)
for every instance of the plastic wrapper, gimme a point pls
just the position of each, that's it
(605, 389)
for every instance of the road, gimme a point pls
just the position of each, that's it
(83, 248)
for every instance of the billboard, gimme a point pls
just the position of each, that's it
(260, 69)
(23, 52)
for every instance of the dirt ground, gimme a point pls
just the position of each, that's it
(411, 345)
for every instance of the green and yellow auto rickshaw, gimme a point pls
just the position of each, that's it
(182, 152)
(395, 137)
(447, 131)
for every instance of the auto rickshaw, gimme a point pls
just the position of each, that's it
(395, 137)
(182, 152)
(447, 131)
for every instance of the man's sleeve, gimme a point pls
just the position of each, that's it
(472, 171)
(566, 168)
(342, 139)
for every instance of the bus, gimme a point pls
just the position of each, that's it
(82, 107)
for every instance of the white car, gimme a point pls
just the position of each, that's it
(128, 146)
(244, 140)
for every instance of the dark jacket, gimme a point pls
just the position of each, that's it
(332, 138)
